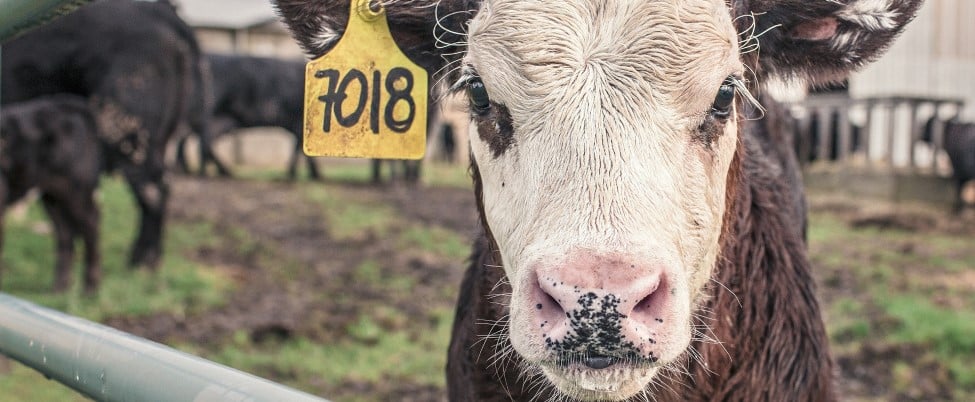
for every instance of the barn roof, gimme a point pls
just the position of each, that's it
(227, 14)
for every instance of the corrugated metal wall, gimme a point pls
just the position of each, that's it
(934, 57)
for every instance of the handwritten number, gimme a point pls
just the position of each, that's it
(330, 97)
(374, 110)
(337, 93)
(352, 119)
(396, 95)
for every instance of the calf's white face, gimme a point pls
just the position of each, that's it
(603, 133)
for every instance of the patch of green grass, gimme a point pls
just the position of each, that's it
(438, 174)
(179, 286)
(434, 174)
(437, 240)
(950, 333)
(22, 383)
(903, 293)
(368, 272)
(371, 273)
(365, 330)
(846, 323)
(370, 354)
(348, 172)
(348, 217)
(824, 228)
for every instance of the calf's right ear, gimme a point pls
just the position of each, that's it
(424, 29)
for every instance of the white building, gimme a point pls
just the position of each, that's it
(239, 26)
(935, 57)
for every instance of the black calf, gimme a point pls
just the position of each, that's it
(51, 144)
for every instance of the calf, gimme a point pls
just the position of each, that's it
(250, 91)
(641, 234)
(51, 144)
(139, 66)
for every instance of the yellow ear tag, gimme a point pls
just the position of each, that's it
(365, 98)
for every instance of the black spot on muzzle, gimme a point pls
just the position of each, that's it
(595, 336)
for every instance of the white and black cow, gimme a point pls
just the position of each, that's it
(642, 237)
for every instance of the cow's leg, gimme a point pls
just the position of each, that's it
(412, 169)
(64, 241)
(293, 161)
(151, 193)
(181, 163)
(312, 168)
(394, 170)
(959, 205)
(207, 156)
(3, 211)
(298, 152)
(86, 217)
(377, 165)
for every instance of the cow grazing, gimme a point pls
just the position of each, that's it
(51, 144)
(250, 91)
(642, 238)
(139, 66)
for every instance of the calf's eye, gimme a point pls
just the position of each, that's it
(721, 108)
(480, 101)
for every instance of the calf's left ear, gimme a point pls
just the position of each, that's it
(819, 40)
(425, 30)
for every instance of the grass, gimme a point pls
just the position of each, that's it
(369, 354)
(179, 286)
(349, 218)
(21, 383)
(435, 240)
(950, 334)
(895, 300)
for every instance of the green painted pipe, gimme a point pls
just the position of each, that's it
(109, 365)
(18, 16)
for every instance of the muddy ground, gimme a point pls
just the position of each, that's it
(275, 302)
(281, 302)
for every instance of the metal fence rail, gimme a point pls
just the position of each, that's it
(109, 365)
(826, 129)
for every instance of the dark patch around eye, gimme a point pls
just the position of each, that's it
(496, 129)
(710, 129)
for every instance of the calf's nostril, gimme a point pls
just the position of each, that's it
(599, 362)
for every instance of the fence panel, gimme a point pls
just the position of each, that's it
(109, 365)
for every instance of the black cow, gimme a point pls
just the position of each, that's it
(139, 66)
(959, 144)
(51, 144)
(251, 91)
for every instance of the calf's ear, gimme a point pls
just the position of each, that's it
(819, 40)
(426, 30)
